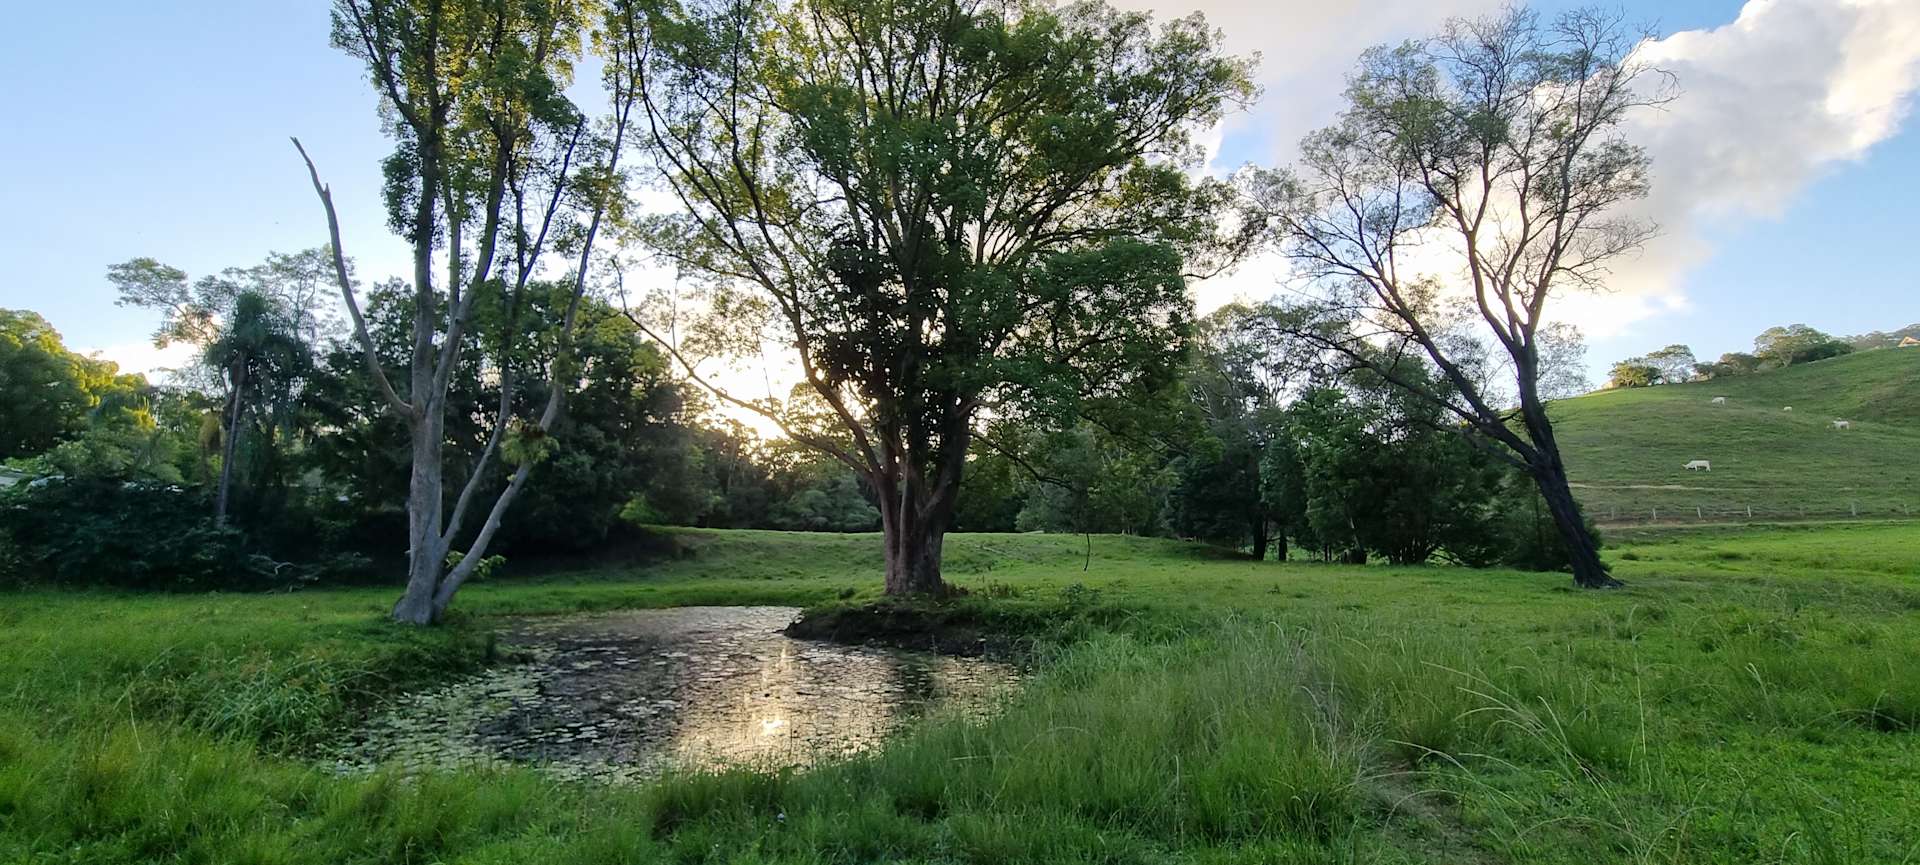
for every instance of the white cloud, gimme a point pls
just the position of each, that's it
(142, 357)
(1306, 48)
(1768, 105)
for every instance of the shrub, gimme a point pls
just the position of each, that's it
(1517, 532)
(96, 532)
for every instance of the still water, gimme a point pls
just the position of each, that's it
(626, 696)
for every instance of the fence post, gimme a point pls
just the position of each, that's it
(1697, 514)
(1855, 507)
(1656, 515)
(1749, 511)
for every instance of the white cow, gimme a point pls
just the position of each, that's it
(1719, 400)
(1843, 424)
(1699, 464)
(1788, 408)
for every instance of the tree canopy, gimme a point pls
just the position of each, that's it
(1502, 141)
(945, 209)
(48, 394)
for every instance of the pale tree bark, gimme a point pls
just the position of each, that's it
(432, 531)
(431, 584)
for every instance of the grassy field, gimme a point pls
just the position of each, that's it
(1626, 448)
(1751, 696)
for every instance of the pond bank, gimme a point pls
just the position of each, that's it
(945, 629)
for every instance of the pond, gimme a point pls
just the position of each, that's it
(626, 696)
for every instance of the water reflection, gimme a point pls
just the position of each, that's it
(625, 696)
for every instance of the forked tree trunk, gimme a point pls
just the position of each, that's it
(913, 563)
(912, 534)
(913, 548)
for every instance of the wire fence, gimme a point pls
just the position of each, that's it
(1858, 509)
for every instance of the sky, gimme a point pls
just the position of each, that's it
(1783, 174)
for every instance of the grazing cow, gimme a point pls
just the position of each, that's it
(1699, 464)
(1719, 400)
(1788, 408)
(1843, 424)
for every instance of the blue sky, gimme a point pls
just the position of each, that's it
(142, 130)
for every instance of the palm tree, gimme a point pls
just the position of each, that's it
(262, 361)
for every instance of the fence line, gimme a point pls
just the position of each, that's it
(1849, 509)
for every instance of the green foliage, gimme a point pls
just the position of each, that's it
(257, 331)
(1381, 474)
(625, 432)
(1247, 365)
(1633, 372)
(830, 502)
(1516, 531)
(1730, 364)
(99, 532)
(992, 493)
(942, 208)
(49, 395)
(1093, 482)
(1778, 347)
(1884, 338)
(1797, 343)
(481, 571)
(1671, 365)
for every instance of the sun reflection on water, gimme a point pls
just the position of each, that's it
(626, 696)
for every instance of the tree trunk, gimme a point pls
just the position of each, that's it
(426, 554)
(1582, 552)
(416, 605)
(1550, 473)
(913, 541)
(1260, 539)
(227, 447)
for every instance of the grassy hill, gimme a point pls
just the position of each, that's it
(1626, 448)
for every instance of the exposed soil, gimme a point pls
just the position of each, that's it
(940, 628)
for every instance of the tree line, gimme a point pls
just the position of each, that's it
(1774, 348)
(969, 229)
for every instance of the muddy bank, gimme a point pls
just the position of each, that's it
(626, 696)
(947, 629)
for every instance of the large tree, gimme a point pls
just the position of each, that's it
(1472, 178)
(493, 167)
(946, 210)
(46, 391)
(1797, 343)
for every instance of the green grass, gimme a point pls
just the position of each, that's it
(1751, 696)
(1625, 448)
